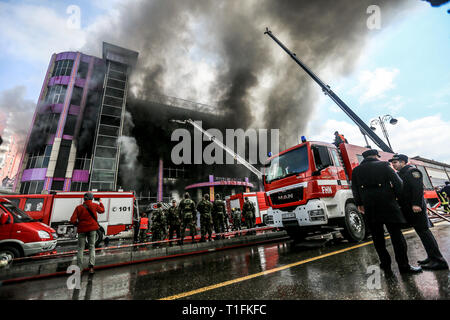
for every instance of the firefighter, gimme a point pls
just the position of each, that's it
(143, 227)
(414, 209)
(376, 187)
(445, 192)
(237, 218)
(205, 207)
(158, 226)
(174, 221)
(443, 198)
(338, 139)
(188, 216)
(218, 215)
(249, 214)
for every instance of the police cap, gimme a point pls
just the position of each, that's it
(371, 152)
(399, 157)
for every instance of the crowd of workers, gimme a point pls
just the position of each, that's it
(177, 219)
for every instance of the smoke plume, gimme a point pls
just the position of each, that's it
(175, 38)
(17, 112)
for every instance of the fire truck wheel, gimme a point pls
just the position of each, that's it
(354, 226)
(9, 252)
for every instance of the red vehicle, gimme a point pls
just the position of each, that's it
(56, 209)
(308, 188)
(258, 199)
(20, 235)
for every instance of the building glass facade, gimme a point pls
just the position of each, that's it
(77, 103)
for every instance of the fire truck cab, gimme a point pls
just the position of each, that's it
(308, 187)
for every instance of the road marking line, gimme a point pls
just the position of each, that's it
(267, 272)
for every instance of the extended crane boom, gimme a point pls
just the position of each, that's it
(237, 157)
(327, 90)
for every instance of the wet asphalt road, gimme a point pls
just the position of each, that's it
(340, 275)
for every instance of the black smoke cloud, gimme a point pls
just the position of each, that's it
(170, 33)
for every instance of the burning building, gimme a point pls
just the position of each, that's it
(89, 133)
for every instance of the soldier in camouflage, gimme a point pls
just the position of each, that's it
(205, 207)
(237, 218)
(249, 214)
(174, 221)
(158, 226)
(218, 216)
(188, 216)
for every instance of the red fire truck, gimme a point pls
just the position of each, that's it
(55, 210)
(257, 198)
(308, 187)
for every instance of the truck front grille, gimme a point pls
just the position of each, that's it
(288, 196)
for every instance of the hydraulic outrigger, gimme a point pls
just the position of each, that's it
(341, 104)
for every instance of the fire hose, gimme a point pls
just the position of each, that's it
(438, 214)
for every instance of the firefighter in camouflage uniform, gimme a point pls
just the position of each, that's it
(249, 214)
(158, 226)
(205, 207)
(219, 216)
(174, 221)
(188, 216)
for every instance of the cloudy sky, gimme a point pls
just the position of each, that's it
(400, 69)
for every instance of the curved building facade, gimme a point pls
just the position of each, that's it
(82, 97)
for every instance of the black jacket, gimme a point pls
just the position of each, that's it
(376, 186)
(412, 194)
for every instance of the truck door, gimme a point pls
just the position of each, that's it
(6, 224)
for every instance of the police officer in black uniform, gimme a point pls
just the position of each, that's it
(375, 187)
(414, 209)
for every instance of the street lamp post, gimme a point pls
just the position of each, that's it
(381, 121)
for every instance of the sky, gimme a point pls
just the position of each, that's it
(403, 70)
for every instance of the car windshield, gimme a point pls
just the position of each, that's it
(18, 215)
(289, 163)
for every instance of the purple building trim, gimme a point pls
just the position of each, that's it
(48, 182)
(80, 82)
(219, 183)
(80, 176)
(86, 58)
(67, 137)
(67, 183)
(58, 179)
(34, 174)
(66, 56)
(59, 80)
(74, 110)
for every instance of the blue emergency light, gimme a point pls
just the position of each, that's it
(269, 154)
(303, 139)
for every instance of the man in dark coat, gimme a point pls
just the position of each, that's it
(414, 209)
(376, 187)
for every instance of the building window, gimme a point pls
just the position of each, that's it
(77, 95)
(34, 204)
(83, 70)
(63, 68)
(32, 187)
(56, 94)
(57, 185)
(69, 127)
